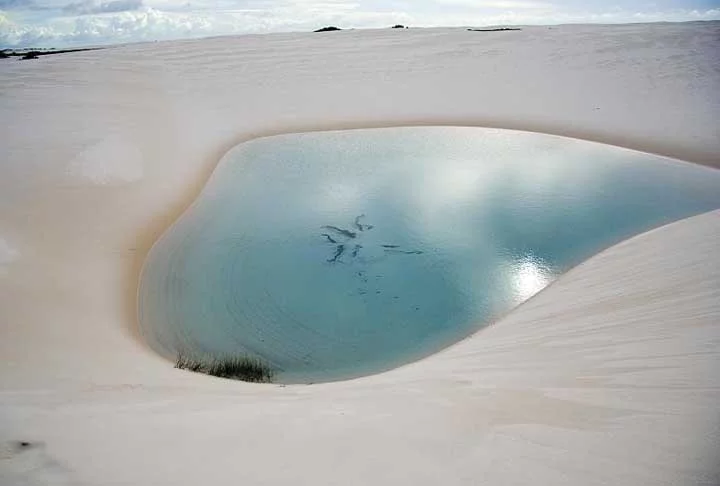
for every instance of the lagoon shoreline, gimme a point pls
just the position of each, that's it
(103, 150)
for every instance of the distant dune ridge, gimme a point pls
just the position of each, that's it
(609, 376)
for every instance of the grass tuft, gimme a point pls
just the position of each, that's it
(244, 368)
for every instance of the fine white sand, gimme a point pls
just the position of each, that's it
(609, 376)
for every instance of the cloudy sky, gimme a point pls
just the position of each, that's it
(57, 23)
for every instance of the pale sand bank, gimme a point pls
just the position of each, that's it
(608, 376)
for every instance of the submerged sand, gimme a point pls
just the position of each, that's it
(608, 376)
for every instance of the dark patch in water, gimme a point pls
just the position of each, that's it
(342, 232)
(360, 226)
(348, 234)
(330, 239)
(338, 253)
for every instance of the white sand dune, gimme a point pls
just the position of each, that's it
(609, 376)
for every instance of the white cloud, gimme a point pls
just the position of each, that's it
(87, 7)
(498, 4)
(118, 21)
(142, 25)
(186, 20)
(16, 4)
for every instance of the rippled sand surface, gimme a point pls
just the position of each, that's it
(608, 376)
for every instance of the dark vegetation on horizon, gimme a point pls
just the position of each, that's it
(25, 54)
(243, 368)
(332, 28)
(500, 29)
(34, 53)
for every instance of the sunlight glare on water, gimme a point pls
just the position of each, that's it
(529, 276)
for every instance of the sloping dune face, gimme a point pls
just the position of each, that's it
(331, 255)
(609, 376)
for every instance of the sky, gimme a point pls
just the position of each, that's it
(68, 23)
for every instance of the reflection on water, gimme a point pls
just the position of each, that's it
(337, 254)
(529, 276)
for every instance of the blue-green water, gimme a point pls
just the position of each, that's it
(337, 254)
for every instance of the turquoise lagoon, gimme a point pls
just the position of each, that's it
(332, 255)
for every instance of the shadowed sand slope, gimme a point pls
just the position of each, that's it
(608, 376)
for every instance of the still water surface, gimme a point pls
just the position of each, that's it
(337, 254)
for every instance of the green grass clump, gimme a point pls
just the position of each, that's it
(244, 368)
